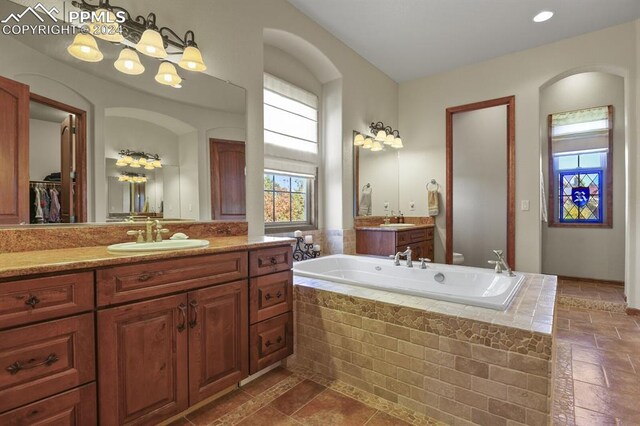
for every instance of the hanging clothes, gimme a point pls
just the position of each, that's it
(39, 217)
(54, 211)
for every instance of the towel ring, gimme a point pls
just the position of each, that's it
(433, 182)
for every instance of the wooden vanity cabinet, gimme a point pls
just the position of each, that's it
(165, 335)
(387, 242)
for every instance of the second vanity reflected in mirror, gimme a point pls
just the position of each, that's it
(376, 181)
(111, 112)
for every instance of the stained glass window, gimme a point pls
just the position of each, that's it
(580, 197)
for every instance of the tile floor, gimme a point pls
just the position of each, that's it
(288, 398)
(597, 368)
(591, 290)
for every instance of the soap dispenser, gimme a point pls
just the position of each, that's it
(401, 219)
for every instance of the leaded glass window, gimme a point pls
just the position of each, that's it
(580, 156)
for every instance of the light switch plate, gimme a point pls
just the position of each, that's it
(412, 205)
(386, 205)
(524, 205)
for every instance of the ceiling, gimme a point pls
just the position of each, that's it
(408, 39)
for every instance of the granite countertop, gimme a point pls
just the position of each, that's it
(61, 260)
(392, 229)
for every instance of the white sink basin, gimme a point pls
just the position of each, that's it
(134, 247)
(397, 225)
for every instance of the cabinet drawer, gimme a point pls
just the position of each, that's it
(41, 360)
(270, 295)
(74, 408)
(271, 341)
(418, 235)
(144, 280)
(28, 301)
(268, 261)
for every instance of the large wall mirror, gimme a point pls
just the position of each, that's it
(480, 206)
(83, 119)
(376, 181)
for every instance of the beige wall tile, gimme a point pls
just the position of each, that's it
(439, 387)
(508, 376)
(373, 325)
(383, 393)
(362, 360)
(398, 387)
(507, 410)
(455, 377)
(352, 320)
(489, 388)
(373, 351)
(536, 418)
(490, 355)
(538, 384)
(412, 404)
(411, 349)
(398, 332)
(425, 368)
(429, 340)
(385, 342)
(455, 347)
(453, 407)
(469, 366)
(529, 364)
(472, 399)
(424, 397)
(487, 419)
(385, 368)
(437, 357)
(410, 377)
(397, 359)
(528, 399)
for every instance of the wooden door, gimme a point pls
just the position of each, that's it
(14, 152)
(142, 360)
(218, 339)
(228, 194)
(67, 196)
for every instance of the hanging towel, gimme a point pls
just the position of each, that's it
(544, 215)
(364, 209)
(433, 203)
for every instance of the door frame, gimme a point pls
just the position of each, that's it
(510, 102)
(81, 151)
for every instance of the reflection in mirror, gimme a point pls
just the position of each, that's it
(376, 181)
(121, 112)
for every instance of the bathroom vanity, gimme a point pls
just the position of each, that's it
(386, 241)
(151, 334)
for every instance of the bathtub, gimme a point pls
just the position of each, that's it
(460, 284)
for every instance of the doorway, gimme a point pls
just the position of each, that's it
(228, 169)
(480, 195)
(57, 162)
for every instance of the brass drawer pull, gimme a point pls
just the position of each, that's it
(274, 260)
(183, 314)
(194, 307)
(145, 277)
(278, 295)
(278, 340)
(32, 301)
(268, 296)
(18, 366)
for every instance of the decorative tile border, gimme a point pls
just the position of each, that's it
(592, 304)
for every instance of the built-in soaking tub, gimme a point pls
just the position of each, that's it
(459, 284)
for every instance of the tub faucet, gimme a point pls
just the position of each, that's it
(501, 263)
(423, 262)
(407, 254)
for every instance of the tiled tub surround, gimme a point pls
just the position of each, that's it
(49, 237)
(454, 363)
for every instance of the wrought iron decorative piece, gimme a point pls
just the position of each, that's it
(304, 251)
(18, 366)
(132, 28)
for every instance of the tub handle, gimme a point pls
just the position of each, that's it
(423, 262)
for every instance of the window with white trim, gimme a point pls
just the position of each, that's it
(291, 156)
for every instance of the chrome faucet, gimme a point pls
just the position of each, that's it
(398, 255)
(501, 264)
(423, 262)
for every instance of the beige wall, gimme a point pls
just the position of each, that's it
(580, 252)
(422, 121)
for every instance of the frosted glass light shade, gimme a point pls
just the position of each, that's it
(168, 75)
(368, 143)
(157, 164)
(192, 60)
(389, 139)
(358, 140)
(397, 143)
(106, 28)
(381, 136)
(377, 146)
(85, 48)
(129, 62)
(151, 44)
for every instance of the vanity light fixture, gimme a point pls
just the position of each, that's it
(115, 24)
(139, 159)
(543, 16)
(132, 177)
(129, 62)
(85, 48)
(382, 135)
(168, 75)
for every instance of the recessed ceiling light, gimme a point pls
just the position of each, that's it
(545, 15)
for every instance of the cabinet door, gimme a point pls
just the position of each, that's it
(142, 361)
(14, 152)
(218, 339)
